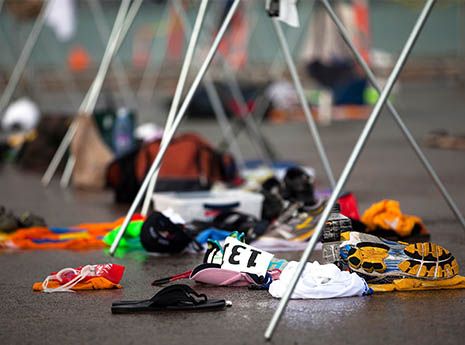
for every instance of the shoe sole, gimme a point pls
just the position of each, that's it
(419, 260)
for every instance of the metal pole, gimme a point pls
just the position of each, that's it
(223, 120)
(66, 79)
(128, 20)
(66, 177)
(91, 97)
(256, 137)
(216, 104)
(177, 94)
(213, 95)
(276, 72)
(151, 73)
(23, 58)
(117, 67)
(300, 92)
(177, 121)
(350, 164)
(408, 135)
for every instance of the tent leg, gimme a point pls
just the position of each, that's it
(23, 59)
(122, 23)
(300, 92)
(276, 73)
(117, 67)
(213, 95)
(177, 94)
(350, 164)
(408, 135)
(157, 162)
(151, 73)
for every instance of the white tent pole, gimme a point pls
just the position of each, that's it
(350, 165)
(151, 72)
(122, 80)
(90, 100)
(408, 135)
(177, 94)
(303, 101)
(23, 58)
(276, 72)
(213, 95)
(256, 136)
(128, 20)
(190, 94)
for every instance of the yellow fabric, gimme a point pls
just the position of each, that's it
(387, 215)
(411, 284)
(16, 140)
(96, 283)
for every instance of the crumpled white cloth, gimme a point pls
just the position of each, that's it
(61, 18)
(173, 216)
(23, 113)
(319, 282)
(288, 12)
(148, 132)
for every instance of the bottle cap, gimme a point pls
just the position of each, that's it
(122, 112)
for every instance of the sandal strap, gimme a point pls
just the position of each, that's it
(178, 294)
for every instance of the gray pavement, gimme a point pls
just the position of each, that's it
(387, 169)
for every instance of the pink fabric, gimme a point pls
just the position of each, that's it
(221, 277)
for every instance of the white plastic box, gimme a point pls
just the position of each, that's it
(205, 205)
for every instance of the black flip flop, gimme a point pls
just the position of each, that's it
(172, 298)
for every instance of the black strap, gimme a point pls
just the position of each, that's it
(178, 294)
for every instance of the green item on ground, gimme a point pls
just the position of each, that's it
(131, 238)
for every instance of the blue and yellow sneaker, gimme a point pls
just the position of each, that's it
(381, 260)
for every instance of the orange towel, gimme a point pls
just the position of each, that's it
(97, 283)
(387, 215)
(91, 237)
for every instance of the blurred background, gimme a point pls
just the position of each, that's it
(61, 68)
(143, 75)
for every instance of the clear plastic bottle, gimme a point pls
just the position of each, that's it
(336, 224)
(123, 133)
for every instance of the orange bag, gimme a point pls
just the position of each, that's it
(190, 163)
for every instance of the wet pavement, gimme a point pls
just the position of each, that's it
(387, 169)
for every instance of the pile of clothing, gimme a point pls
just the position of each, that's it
(38, 236)
(367, 264)
(290, 211)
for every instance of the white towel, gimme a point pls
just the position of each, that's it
(288, 12)
(23, 113)
(319, 282)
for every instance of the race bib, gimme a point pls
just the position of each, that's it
(241, 257)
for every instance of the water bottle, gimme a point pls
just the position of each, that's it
(123, 132)
(334, 226)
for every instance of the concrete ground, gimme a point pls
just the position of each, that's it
(387, 169)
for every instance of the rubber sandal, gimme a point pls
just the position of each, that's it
(176, 297)
(379, 260)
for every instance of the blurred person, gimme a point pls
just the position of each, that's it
(330, 62)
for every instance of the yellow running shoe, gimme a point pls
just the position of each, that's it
(378, 259)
